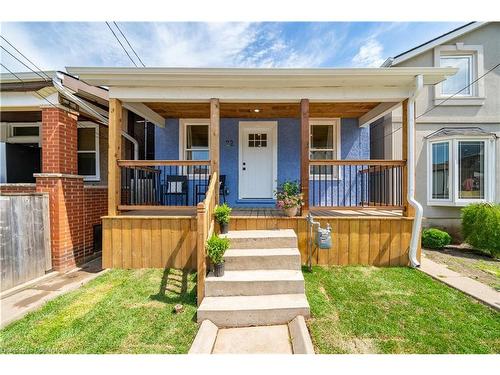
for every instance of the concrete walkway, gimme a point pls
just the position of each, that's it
(31, 297)
(473, 288)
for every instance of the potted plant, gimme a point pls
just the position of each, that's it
(222, 213)
(216, 247)
(289, 198)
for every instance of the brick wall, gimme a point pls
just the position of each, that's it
(59, 141)
(96, 206)
(17, 188)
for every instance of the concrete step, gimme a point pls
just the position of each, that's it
(244, 311)
(262, 259)
(262, 239)
(253, 283)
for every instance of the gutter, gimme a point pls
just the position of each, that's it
(417, 221)
(102, 119)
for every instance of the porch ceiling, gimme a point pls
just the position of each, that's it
(266, 110)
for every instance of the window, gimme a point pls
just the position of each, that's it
(257, 140)
(464, 88)
(470, 178)
(324, 145)
(194, 142)
(460, 83)
(88, 151)
(24, 132)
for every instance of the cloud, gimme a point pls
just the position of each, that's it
(369, 55)
(191, 44)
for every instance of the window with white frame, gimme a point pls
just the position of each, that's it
(324, 145)
(88, 151)
(23, 132)
(194, 142)
(461, 83)
(462, 88)
(461, 170)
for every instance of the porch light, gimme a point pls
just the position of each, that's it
(256, 110)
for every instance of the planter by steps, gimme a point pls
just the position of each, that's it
(219, 269)
(224, 228)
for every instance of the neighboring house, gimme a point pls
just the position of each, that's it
(252, 129)
(458, 124)
(54, 139)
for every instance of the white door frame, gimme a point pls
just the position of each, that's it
(273, 125)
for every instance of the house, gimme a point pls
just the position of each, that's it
(457, 124)
(258, 128)
(54, 139)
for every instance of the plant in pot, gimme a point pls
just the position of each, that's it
(289, 198)
(216, 247)
(222, 215)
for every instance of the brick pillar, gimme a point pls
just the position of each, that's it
(60, 179)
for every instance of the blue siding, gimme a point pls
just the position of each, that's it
(354, 145)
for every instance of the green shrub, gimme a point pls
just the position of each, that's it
(222, 213)
(481, 227)
(433, 238)
(216, 247)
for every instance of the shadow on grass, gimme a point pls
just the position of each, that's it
(174, 288)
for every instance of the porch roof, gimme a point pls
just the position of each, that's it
(254, 85)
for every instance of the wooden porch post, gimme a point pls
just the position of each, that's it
(304, 152)
(408, 209)
(214, 142)
(114, 153)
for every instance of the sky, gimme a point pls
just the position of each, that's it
(53, 46)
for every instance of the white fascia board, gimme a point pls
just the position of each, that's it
(257, 78)
(18, 101)
(27, 76)
(258, 95)
(378, 112)
(437, 42)
(145, 112)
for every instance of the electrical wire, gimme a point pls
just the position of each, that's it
(124, 49)
(132, 48)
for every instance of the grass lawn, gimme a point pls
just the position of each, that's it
(395, 310)
(122, 311)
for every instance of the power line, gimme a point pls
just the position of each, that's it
(440, 103)
(459, 91)
(31, 62)
(124, 49)
(38, 74)
(22, 81)
(132, 48)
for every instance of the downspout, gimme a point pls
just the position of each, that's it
(103, 119)
(417, 221)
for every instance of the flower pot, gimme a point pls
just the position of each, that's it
(219, 269)
(224, 228)
(291, 212)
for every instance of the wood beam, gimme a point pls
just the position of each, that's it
(214, 142)
(114, 154)
(304, 152)
(408, 209)
(145, 112)
(378, 112)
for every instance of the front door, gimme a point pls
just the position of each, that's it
(257, 159)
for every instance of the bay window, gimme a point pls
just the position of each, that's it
(461, 171)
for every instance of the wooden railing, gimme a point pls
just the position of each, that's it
(160, 184)
(205, 227)
(355, 184)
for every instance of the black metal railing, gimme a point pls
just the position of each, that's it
(163, 182)
(356, 183)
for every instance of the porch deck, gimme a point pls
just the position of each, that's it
(265, 213)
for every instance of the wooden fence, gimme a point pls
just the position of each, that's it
(25, 251)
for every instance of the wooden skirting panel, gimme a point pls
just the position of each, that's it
(379, 241)
(149, 242)
(158, 242)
